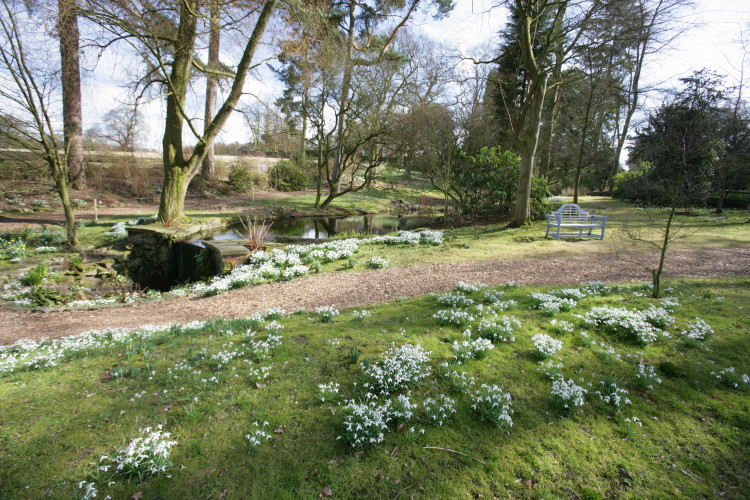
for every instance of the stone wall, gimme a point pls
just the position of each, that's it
(158, 258)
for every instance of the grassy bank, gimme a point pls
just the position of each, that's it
(205, 385)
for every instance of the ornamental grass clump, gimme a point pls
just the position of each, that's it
(326, 314)
(453, 299)
(455, 318)
(545, 345)
(492, 404)
(143, 456)
(438, 411)
(466, 350)
(500, 329)
(566, 394)
(364, 424)
(400, 368)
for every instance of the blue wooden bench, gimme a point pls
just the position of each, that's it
(575, 222)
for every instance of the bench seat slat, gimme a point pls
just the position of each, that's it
(571, 216)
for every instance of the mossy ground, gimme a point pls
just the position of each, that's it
(56, 422)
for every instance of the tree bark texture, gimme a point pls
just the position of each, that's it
(208, 169)
(527, 146)
(71, 91)
(178, 170)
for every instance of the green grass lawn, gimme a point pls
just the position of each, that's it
(691, 439)
(702, 230)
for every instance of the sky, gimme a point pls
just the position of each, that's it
(472, 28)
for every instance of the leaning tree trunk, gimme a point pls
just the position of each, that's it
(656, 273)
(528, 143)
(208, 169)
(178, 171)
(338, 157)
(70, 77)
(61, 182)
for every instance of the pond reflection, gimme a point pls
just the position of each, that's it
(326, 227)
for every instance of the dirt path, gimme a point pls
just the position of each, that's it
(368, 287)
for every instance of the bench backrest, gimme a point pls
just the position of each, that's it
(570, 212)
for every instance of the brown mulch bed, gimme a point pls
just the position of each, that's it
(369, 287)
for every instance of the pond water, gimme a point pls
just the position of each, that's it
(326, 227)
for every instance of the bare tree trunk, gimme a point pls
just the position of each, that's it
(303, 138)
(178, 171)
(582, 148)
(70, 76)
(529, 142)
(70, 224)
(634, 90)
(208, 168)
(553, 111)
(338, 156)
(656, 273)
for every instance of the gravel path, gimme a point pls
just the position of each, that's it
(369, 287)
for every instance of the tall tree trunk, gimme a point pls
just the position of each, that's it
(656, 273)
(634, 90)
(61, 182)
(553, 111)
(70, 77)
(582, 148)
(528, 143)
(178, 171)
(208, 168)
(303, 135)
(338, 156)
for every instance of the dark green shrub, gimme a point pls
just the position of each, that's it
(540, 195)
(488, 182)
(241, 179)
(286, 176)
